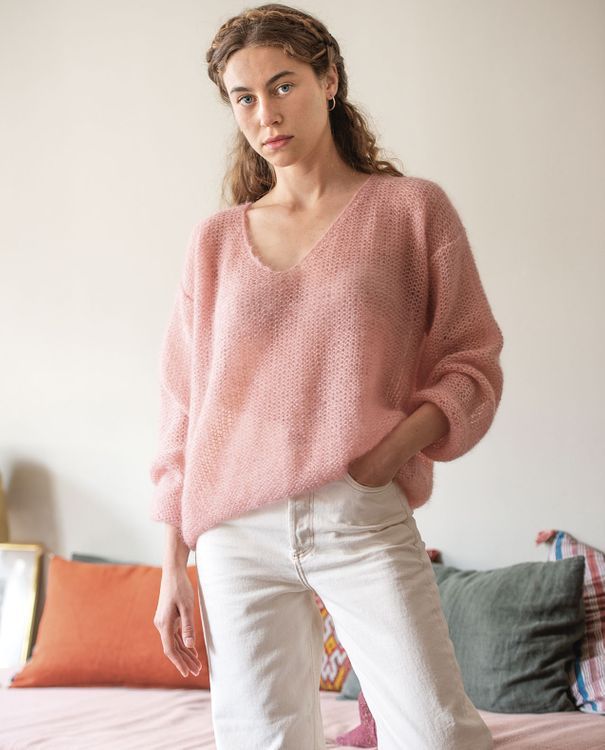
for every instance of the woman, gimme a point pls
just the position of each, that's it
(330, 339)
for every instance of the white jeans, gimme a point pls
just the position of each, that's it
(360, 550)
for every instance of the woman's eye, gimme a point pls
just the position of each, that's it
(248, 96)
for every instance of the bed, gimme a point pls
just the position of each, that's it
(63, 718)
(62, 703)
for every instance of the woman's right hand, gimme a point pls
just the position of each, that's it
(174, 620)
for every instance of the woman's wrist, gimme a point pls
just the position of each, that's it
(422, 428)
(176, 552)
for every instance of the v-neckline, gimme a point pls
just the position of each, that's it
(313, 251)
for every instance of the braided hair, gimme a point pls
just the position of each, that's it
(307, 39)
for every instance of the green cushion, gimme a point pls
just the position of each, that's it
(83, 557)
(350, 687)
(514, 631)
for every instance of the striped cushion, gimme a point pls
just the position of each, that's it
(587, 672)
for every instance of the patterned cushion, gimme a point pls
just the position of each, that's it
(587, 671)
(335, 665)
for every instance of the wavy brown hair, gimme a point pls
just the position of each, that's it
(306, 39)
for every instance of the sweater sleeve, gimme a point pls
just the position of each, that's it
(459, 366)
(167, 469)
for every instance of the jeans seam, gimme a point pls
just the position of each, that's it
(301, 552)
(311, 520)
(315, 655)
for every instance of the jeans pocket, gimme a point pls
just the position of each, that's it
(365, 508)
(364, 487)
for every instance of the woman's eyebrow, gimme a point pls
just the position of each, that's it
(269, 82)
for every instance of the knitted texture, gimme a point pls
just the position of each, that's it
(273, 381)
(364, 734)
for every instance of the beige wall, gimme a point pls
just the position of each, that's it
(113, 141)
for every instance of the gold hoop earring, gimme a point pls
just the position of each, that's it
(334, 100)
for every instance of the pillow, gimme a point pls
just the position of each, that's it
(97, 629)
(514, 630)
(82, 557)
(335, 664)
(587, 671)
(350, 688)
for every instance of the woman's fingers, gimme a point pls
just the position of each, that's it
(174, 621)
(175, 650)
(192, 661)
(171, 651)
(190, 651)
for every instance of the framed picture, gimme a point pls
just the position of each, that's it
(20, 566)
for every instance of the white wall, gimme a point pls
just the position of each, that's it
(113, 142)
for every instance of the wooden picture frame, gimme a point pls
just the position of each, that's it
(20, 566)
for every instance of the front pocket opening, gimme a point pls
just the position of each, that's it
(366, 488)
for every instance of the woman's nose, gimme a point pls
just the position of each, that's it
(267, 113)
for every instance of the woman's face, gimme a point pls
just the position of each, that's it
(267, 104)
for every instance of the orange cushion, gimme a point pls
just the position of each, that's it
(97, 629)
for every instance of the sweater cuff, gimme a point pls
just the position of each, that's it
(167, 500)
(452, 394)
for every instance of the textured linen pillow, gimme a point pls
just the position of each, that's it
(97, 629)
(504, 639)
(350, 687)
(514, 630)
(83, 557)
(587, 672)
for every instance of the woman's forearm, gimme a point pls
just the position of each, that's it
(423, 427)
(176, 552)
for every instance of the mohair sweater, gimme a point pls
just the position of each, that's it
(273, 381)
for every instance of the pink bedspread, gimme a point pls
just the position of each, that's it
(115, 718)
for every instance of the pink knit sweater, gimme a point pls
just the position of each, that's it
(273, 381)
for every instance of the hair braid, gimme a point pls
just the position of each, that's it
(307, 39)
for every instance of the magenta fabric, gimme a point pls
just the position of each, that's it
(364, 734)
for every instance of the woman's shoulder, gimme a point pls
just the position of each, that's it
(420, 191)
(218, 224)
(422, 196)
(425, 204)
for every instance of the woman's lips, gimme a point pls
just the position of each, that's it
(279, 143)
